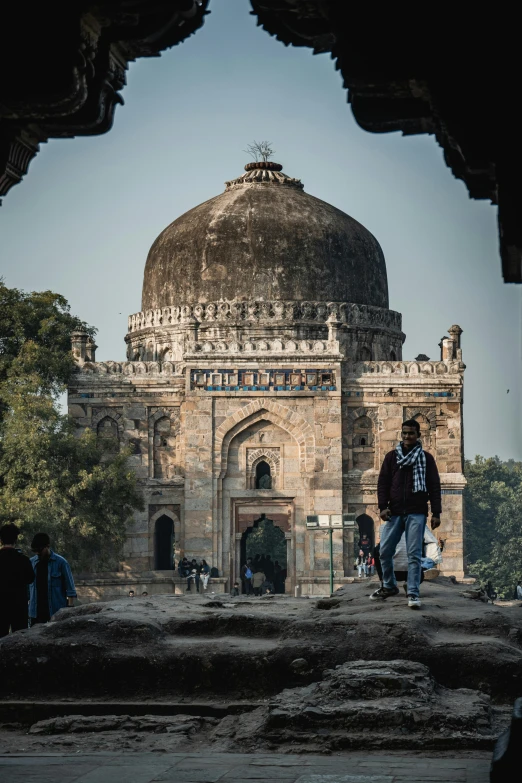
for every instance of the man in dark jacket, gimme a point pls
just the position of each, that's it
(408, 479)
(16, 573)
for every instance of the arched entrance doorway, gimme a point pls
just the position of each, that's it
(366, 528)
(265, 544)
(163, 544)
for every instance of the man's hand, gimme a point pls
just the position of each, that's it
(386, 514)
(435, 522)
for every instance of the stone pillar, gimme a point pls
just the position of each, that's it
(79, 343)
(455, 331)
(448, 349)
(90, 350)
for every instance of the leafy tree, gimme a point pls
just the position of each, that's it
(493, 529)
(267, 539)
(35, 336)
(74, 488)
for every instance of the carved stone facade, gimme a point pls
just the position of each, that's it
(240, 410)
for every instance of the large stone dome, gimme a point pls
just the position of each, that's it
(264, 238)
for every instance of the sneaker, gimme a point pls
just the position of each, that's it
(384, 592)
(414, 602)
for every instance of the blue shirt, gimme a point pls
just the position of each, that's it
(60, 584)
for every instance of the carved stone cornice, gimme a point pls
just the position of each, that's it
(381, 370)
(244, 313)
(262, 349)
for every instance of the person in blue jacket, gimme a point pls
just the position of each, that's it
(53, 586)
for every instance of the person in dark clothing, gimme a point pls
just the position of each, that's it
(490, 591)
(16, 573)
(269, 568)
(278, 578)
(193, 576)
(408, 480)
(365, 544)
(184, 568)
(247, 572)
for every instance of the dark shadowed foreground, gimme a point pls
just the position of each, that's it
(275, 672)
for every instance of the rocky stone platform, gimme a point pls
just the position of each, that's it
(311, 674)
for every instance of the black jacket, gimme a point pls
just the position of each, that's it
(16, 573)
(395, 488)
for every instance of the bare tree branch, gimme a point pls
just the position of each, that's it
(260, 150)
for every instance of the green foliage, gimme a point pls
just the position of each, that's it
(35, 336)
(51, 479)
(493, 530)
(267, 539)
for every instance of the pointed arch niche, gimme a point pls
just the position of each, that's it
(164, 527)
(107, 424)
(163, 443)
(255, 460)
(362, 425)
(257, 433)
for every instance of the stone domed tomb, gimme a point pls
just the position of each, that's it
(264, 383)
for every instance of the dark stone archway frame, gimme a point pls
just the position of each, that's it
(456, 78)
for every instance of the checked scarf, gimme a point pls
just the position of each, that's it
(417, 458)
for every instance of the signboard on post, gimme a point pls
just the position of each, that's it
(324, 520)
(336, 520)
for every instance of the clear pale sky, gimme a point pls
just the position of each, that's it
(82, 221)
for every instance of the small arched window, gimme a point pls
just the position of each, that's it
(263, 475)
(393, 356)
(363, 451)
(163, 448)
(107, 433)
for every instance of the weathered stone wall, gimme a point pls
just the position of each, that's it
(195, 452)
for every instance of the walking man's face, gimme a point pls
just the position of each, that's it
(409, 436)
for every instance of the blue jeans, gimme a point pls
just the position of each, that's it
(413, 526)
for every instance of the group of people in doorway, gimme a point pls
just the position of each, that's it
(260, 576)
(32, 589)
